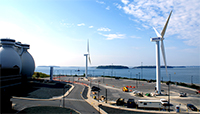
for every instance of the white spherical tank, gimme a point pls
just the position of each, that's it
(28, 64)
(9, 58)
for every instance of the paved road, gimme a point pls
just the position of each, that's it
(73, 100)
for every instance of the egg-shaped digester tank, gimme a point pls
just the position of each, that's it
(28, 63)
(9, 58)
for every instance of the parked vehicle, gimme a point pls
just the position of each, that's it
(138, 93)
(198, 91)
(182, 94)
(149, 104)
(131, 103)
(191, 107)
(94, 88)
(125, 89)
(164, 102)
(120, 101)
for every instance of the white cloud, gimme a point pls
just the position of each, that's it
(68, 25)
(91, 26)
(172, 48)
(81, 24)
(118, 5)
(108, 8)
(114, 36)
(135, 37)
(184, 21)
(100, 2)
(125, 1)
(136, 48)
(103, 29)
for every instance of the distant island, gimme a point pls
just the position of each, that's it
(160, 67)
(48, 66)
(112, 67)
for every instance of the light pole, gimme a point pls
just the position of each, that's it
(131, 74)
(64, 96)
(169, 93)
(191, 80)
(141, 70)
(103, 77)
(136, 81)
(139, 77)
(98, 90)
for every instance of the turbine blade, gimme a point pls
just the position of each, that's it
(163, 54)
(89, 59)
(165, 27)
(157, 33)
(88, 47)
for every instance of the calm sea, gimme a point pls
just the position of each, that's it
(187, 75)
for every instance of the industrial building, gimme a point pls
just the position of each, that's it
(16, 67)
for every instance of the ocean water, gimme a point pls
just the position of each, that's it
(186, 75)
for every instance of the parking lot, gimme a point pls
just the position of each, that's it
(114, 91)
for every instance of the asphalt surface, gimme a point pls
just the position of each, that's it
(73, 101)
(47, 109)
(40, 90)
(114, 91)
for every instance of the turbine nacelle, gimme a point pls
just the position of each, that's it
(155, 39)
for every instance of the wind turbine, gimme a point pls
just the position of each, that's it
(87, 58)
(160, 37)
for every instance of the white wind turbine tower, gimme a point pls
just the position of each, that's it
(160, 37)
(87, 58)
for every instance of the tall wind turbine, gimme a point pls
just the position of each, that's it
(87, 58)
(160, 37)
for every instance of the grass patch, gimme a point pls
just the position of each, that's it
(40, 75)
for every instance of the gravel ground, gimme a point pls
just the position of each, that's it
(47, 110)
(40, 90)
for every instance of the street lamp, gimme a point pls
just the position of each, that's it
(64, 96)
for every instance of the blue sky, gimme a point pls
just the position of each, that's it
(119, 31)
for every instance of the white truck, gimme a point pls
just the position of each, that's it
(149, 104)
